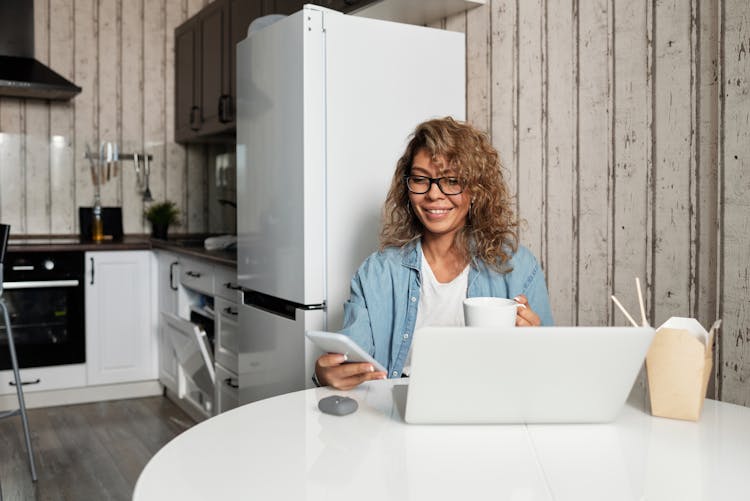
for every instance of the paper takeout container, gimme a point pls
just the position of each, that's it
(679, 365)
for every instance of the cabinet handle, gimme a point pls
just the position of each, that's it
(171, 275)
(229, 311)
(24, 383)
(92, 271)
(193, 274)
(231, 286)
(226, 113)
(195, 118)
(228, 382)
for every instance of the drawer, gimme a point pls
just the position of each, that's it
(227, 390)
(227, 330)
(44, 378)
(225, 283)
(192, 351)
(197, 275)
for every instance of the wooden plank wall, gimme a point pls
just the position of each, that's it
(734, 143)
(627, 150)
(122, 54)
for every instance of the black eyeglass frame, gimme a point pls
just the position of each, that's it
(435, 180)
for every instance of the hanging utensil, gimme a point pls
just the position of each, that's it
(146, 172)
(115, 159)
(92, 165)
(136, 162)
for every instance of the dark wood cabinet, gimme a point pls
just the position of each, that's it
(187, 83)
(205, 63)
(205, 60)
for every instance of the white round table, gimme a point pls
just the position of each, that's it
(284, 448)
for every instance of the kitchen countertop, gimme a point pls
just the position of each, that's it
(190, 245)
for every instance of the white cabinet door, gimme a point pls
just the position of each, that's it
(121, 341)
(169, 279)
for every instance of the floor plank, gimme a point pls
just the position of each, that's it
(89, 451)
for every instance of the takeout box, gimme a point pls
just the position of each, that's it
(679, 365)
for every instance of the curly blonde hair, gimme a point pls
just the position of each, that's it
(491, 230)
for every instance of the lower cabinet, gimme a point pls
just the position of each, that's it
(226, 394)
(121, 340)
(198, 333)
(168, 278)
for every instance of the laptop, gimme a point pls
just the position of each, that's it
(468, 375)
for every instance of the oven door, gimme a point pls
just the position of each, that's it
(47, 320)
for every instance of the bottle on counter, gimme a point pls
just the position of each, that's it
(97, 224)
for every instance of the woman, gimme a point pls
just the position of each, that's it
(449, 232)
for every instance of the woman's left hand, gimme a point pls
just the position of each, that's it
(526, 316)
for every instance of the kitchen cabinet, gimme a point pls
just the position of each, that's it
(121, 340)
(199, 332)
(204, 69)
(168, 271)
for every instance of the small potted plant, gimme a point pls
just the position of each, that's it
(161, 215)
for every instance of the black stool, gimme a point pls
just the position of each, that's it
(4, 232)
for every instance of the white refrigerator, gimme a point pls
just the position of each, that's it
(324, 107)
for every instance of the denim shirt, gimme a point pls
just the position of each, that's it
(382, 310)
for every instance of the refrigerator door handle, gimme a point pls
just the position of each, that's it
(275, 305)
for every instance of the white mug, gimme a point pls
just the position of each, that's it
(490, 312)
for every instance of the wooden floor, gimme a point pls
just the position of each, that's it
(86, 452)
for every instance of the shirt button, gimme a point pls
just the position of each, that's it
(394, 373)
(413, 299)
(406, 335)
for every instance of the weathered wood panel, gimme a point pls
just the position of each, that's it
(62, 165)
(154, 118)
(85, 104)
(131, 83)
(478, 83)
(504, 96)
(109, 87)
(594, 164)
(12, 192)
(631, 148)
(531, 154)
(36, 137)
(735, 217)
(674, 165)
(562, 198)
(707, 160)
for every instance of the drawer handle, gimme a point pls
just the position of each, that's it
(24, 383)
(231, 286)
(230, 311)
(193, 274)
(228, 382)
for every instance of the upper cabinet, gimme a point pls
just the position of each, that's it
(205, 53)
(205, 64)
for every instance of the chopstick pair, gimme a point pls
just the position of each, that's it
(644, 321)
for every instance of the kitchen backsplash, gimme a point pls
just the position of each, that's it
(121, 54)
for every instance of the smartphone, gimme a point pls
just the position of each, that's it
(333, 342)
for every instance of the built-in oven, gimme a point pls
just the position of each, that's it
(44, 293)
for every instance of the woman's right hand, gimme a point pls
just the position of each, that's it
(332, 371)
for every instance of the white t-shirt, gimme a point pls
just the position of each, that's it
(439, 304)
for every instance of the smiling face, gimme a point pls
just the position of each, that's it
(441, 215)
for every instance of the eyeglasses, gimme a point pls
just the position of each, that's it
(421, 184)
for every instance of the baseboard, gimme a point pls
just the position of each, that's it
(86, 394)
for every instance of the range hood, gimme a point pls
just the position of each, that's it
(20, 74)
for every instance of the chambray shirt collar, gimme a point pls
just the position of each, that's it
(412, 258)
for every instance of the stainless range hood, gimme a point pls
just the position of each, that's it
(20, 74)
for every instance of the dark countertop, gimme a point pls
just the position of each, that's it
(196, 249)
(189, 245)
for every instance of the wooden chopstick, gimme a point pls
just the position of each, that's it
(624, 311)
